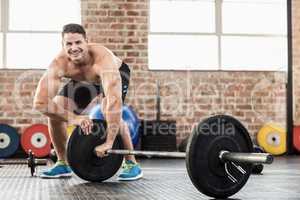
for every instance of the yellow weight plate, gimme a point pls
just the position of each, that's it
(272, 138)
(70, 129)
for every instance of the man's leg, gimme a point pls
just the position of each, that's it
(131, 169)
(58, 129)
(127, 142)
(58, 135)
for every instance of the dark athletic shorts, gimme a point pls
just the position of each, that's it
(83, 93)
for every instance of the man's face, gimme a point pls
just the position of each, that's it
(75, 46)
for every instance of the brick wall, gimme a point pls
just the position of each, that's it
(17, 88)
(187, 97)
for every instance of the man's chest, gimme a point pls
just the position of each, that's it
(85, 74)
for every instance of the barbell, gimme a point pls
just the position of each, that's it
(219, 155)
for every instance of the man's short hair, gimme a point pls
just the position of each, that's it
(73, 28)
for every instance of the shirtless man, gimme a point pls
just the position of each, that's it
(97, 76)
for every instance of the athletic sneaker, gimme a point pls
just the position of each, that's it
(130, 171)
(59, 170)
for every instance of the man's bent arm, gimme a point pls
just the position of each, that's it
(47, 89)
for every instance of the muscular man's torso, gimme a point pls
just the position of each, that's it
(87, 72)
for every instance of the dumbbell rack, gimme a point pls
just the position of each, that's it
(31, 161)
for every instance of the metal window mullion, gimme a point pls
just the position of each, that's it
(2, 29)
(218, 21)
(4, 23)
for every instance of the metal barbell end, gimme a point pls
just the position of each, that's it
(254, 158)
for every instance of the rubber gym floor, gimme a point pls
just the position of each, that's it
(164, 179)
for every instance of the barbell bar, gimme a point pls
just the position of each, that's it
(225, 156)
(147, 153)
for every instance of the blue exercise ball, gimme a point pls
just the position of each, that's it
(96, 113)
(128, 115)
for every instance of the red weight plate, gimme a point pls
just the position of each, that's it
(36, 138)
(296, 137)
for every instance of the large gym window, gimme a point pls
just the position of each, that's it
(218, 35)
(30, 31)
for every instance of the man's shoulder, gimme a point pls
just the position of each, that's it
(58, 64)
(60, 59)
(95, 47)
(99, 50)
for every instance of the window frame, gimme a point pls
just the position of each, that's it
(4, 29)
(219, 33)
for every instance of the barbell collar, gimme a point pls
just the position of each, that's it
(254, 158)
(147, 153)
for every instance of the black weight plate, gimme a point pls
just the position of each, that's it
(258, 149)
(82, 159)
(257, 168)
(205, 169)
(9, 141)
